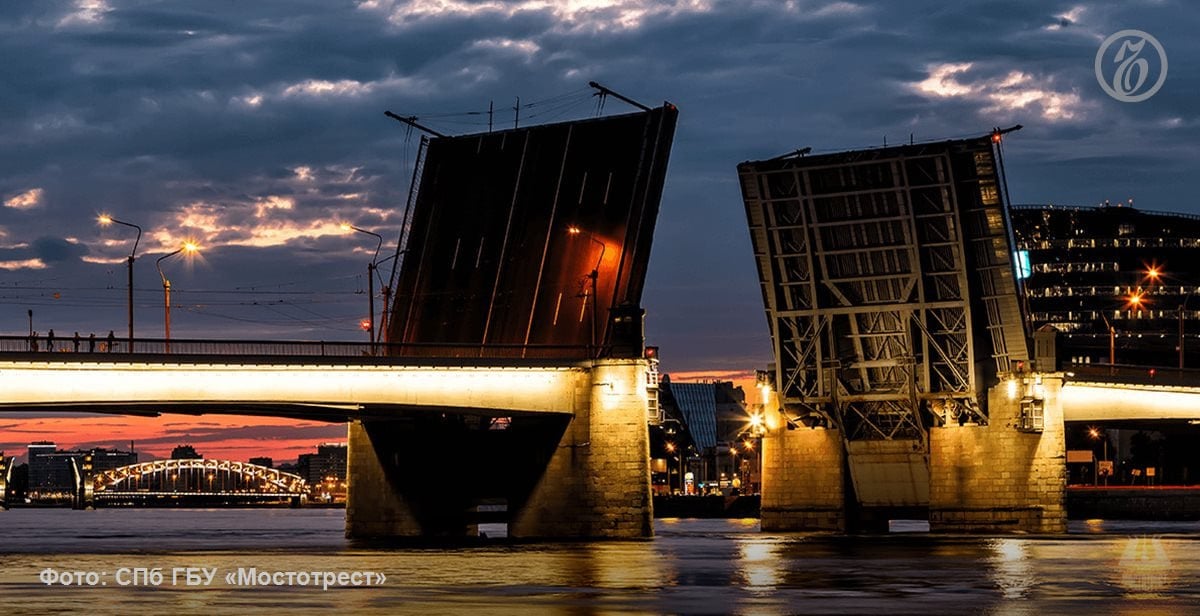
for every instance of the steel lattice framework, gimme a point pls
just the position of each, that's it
(888, 283)
(268, 479)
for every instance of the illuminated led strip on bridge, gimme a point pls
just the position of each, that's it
(1096, 401)
(487, 384)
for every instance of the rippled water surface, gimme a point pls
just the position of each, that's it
(691, 566)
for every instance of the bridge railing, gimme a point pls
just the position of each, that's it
(1133, 375)
(42, 345)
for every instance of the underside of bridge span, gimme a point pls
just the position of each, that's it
(580, 474)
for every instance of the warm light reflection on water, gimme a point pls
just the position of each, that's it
(690, 567)
(759, 560)
(1144, 569)
(1013, 571)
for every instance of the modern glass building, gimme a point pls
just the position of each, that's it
(1116, 282)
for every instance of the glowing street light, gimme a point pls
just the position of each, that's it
(756, 425)
(1095, 435)
(188, 248)
(594, 277)
(106, 220)
(370, 280)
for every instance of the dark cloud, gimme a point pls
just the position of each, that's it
(52, 250)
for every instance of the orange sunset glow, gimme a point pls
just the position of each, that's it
(214, 436)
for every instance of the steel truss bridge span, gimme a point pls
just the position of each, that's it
(196, 477)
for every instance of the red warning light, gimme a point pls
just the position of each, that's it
(651, 352)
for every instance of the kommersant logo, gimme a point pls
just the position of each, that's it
(1131, 66)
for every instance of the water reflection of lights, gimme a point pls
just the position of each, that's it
(1144, 569)
(624, 565)
(758, 560)
(1011, 567)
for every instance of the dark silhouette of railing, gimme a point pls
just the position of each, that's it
(71, 347)
(1132, 375)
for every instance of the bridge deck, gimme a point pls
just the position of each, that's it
(327, 388)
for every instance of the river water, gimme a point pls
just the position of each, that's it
(690, 567)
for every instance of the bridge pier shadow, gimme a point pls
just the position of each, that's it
(579, 473)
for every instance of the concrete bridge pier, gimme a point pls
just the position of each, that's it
(393, 473)
(1007, 476)
(803, 477)
(596, 483)
(581, 472)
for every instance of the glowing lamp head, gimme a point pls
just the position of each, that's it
(670, 447)
(1135, 300)
(1094, 433)
(756, 420)
(364, 324)
(573, 230)
(996, 137)
(345, 226)
(104, 220)
(191, 247)
(1153, 273)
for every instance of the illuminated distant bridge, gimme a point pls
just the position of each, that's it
(195, 480)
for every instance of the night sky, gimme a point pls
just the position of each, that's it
(255, 128)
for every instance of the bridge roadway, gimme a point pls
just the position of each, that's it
(343, 388)
(1100, 393)
(323, 388)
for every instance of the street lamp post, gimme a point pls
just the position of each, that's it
(387, 300)
(106, 220)
(187, 248)
(370, 280)
(594, 277)
(1095, 434)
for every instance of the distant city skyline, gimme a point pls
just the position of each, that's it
(220, 437)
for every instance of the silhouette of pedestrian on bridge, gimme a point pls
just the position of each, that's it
(112, 340)
(33, 343)
(92, 342)
(75, 342)
(50, 341)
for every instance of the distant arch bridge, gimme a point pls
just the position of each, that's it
(191, 479)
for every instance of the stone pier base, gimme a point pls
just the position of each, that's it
(803, 481)
(1006, 476)
(597, 481)
(581, 473)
